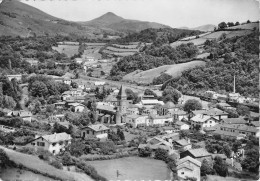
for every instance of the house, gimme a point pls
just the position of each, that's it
(188, 167)
(31, 61)
(213, 112)
(132, 109)
(155, 143)
(201, 121)
(94, 130)
(67, 81)
(182, 145)
(76, 107)
(169, 107)
(199, 154)
(150, 103)
(99, 83)
(18, 77)
(168, 129)
(179, 115)
(232, 130)
(148, 111)
(111, 99)
(54, 143)
(253, 123)
(159, 120)
(136, 120)
(225, 105)
(25, 115)
(59, 105)
(179, 125)
(235, 121)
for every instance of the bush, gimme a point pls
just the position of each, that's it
(67, 159)
(145, 152)
(161, 154)
(107, 147)
(56, 164)
(27, 150)
(44, 155)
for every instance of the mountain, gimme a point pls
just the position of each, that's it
(111, 21)
(17, 18)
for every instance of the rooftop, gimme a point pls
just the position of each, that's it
(182, 142)
(97, 127)
(239, 120)
(199, 152)
(201, 118)
(188, 158)
(56, 137)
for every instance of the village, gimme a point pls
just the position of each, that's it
(95, 111)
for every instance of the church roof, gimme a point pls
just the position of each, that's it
(121, 92)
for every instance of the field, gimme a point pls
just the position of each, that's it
(14, 174)
(132, 168)
(69, 50)
(122, 50)
(209, 36)
(34, 163)
(173, 70)
(92, 51)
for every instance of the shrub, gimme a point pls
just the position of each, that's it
(44, 155)
(56, 164)
(67, 159)
(27, 150)
(145, 152)
(161, 154)
(107, 147)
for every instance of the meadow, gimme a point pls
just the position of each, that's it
(69, 50)
(132, 168)
(174, 70)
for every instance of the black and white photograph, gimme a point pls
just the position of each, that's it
(129, 90)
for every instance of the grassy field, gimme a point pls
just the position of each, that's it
(121, 49)
(123, 54)
(125, 46)
(132, 168)
(13, 174)
(92, 51)
(173, 70)
(69, 50)
(34, 163)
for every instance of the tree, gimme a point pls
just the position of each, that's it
(38, 89)
(206, 168)
(4, 159)
(220, 167)
(161, 154)
(145, 152)
(251, 161)
(74, 85)
(237, 23)
(77, 148)
(191, 105)
(120, 134)
(150, 92)
(248, 21)
(171, 94)
(222, 25)
(67, 159)
(9, 102)
(226, 149)
(243, 110)
(230, 24)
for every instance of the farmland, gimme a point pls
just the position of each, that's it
(173, 70)
(69, 50)
(132, 168)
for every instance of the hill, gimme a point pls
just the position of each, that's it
(17, 18)
(240, 30)
(174, 70)
(111, 21)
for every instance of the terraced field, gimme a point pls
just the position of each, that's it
(122, 50)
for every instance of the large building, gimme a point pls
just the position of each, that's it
(188, 167)
(122, 105)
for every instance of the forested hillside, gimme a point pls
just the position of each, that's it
(233, 56)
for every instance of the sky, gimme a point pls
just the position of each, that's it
(175, 13)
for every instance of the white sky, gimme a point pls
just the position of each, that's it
(175, 13)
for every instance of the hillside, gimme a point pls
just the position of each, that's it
(17, 18)
(174, 70)
(208, 27)
(111, 21)
(240, 30)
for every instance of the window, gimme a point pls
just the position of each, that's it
(32, 143)
(53, 144)
(182, 173)
(84, 134)
(40, 144)
(87, 131)
(53, 151)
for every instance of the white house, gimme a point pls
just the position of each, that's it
(54, 143)
(67, 81)
(99, 83)
(188, 167)
(135, 120)
(181, 126)
(25, 115)
(151, 102)
(155, 143)
(94, 130)
(159, 120)
(77, 107)
(201, 121)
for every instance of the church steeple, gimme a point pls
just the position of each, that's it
(121, 94)
(122, 104)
